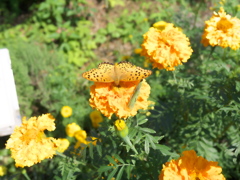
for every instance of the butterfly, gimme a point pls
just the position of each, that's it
(123, 71)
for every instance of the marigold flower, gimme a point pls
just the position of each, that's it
(66, 111)
(96, 118)
(71, 129)
(191, 166)
(28, 143)
(166, 48)
(110, 99)
(138, 51)
(63, 145)
(81, 136)
(222, 30)
(161, 25)
(121, 127)
(3, 170)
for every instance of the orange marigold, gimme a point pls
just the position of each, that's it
(222, 30)
(190, 166)
(110, 99)
(166, 48)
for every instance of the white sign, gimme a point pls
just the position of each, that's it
(9, 108)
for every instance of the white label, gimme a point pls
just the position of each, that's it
(9, 108)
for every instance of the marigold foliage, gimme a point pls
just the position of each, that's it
(190, 166)
(222, 30)
(28, 143)
(71, 129)
(110, 99)
(166, 48)
(66, 111)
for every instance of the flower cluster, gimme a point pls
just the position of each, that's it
(166, 48)
(110, 99)
(222, 30)
(191, 166)
(28, 143)
(74, 130)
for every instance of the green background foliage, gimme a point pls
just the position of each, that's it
(52, 43)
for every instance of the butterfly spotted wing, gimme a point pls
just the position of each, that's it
(104, 73)
(126, 71)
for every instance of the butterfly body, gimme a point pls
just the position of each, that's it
(123, 71)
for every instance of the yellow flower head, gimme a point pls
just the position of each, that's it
(120, 124)
(222, 30)
(110, 99)
(161, 25)
(3, 170)
(138, 51)
(71, 129)
(81, 136)
(28, 143)
(191, 166)
(66, 111)
(63, 145)
(96, 118)
(166, 48)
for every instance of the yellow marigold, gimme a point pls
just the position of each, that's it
(166, 48)
(63, 145)
(138, 51)
(28, 143)
(190, 166)
(3, 170)
(66, 111)
(222, 30)
(81, 136)
(110, 99)
(161, 25)
(96, 118)
(71, 129)
(121, 127)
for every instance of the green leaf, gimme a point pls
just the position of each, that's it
(150, 139)
(111, 160)
(112, 173)
(119, 158)
(104, 169)
(142, 121)
(128, 170)
(146, 146)
(147, 130)
(119, 176)
(99, 149)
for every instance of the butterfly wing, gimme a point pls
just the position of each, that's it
(104, 73)
(126, 71)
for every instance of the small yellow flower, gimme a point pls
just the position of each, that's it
(130, 36)
(121, 127)
(138, 51)
(28, 143)
(66, 111)
(161, 25)
(81, 136)
(71, 129)
(191, 166)
(166, 48)
(222, 30)
(125, 57)
(63, 145)
(3, 170)
(96, 118)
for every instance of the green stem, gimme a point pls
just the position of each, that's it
(212, 50)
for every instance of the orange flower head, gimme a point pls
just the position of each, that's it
(222, 30)
(190, 166)
(166, 48)
(110, 99)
